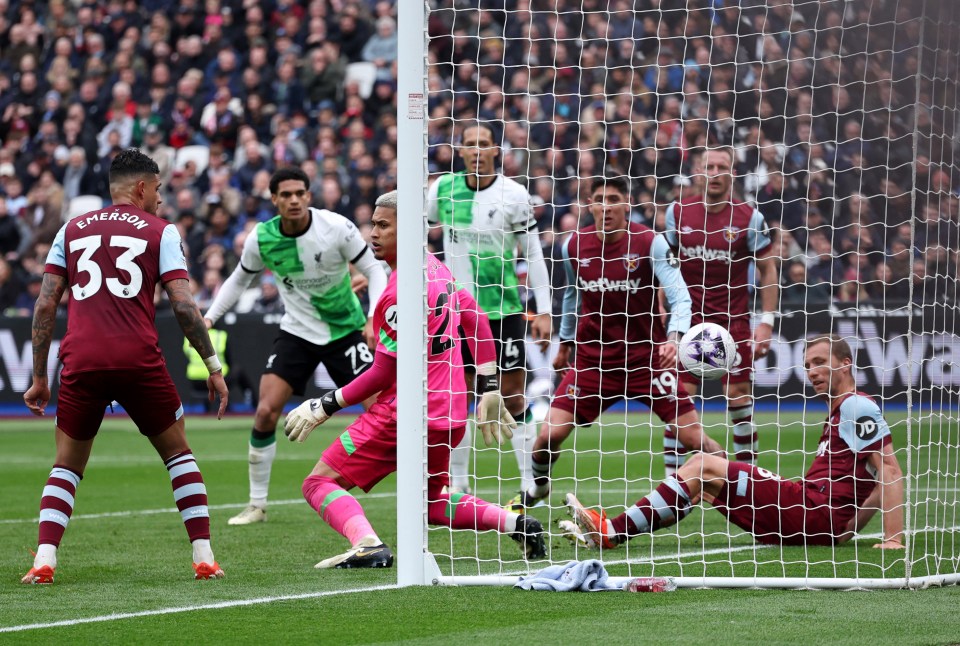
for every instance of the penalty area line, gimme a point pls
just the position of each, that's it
(239, 505)
(236, 603)
(174, 510)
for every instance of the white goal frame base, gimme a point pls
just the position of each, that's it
(752, 583)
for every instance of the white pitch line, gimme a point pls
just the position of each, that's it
(236, 603)
(124, 460)
(315, 595)
(656, 559)
(174, 510)
(647, 560)
(689, 554)
(296, 501)
(170, 510)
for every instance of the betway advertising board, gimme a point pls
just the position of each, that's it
(906, 354)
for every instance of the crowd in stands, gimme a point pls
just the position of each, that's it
(839, 128)
(827, 107)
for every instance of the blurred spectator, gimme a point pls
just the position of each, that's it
(851, 292)
(256, 209)
(217, 238)
(286, 91)
(351, 32)
(211, 284)
(786, 247)
(332, 198)
(924, 286)
(261, 188)
(221, 193)
(11, 235)
(321, 78)
(886, 287)
(118, 132)
(364, 189)
(381, 48)
(45, 203)
(27, 299)
(779, 203)
(821, 114)
(898, 258)
(13, 189)
(10, 287)
(797, 292)
(220, 119)
(269, 301)
(159, 152)
(287, 149)
(257, 115)
(182, 118)
(254, 163)
(822, 264)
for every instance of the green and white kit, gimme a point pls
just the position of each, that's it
(312, 274)
(482, 233)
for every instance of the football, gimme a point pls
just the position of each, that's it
(707, 350)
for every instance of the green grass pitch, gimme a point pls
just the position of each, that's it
(126, 551)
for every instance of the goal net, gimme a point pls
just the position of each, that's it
(842, 118)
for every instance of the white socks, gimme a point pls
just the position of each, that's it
(460, 460)
(46, 555)
(202, 552)
(261, 462)
(522, 440)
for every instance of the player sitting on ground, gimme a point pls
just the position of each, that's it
(854, 473)
(716, 240)
(111, 260)
(366, 452)
(614, 268)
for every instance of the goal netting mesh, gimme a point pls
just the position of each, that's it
(843, 119)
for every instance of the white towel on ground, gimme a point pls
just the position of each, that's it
(575, 576)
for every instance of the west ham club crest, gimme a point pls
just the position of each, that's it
(730, 234)
(631, 261)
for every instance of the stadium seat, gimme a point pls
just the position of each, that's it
(82, 204)
(364, 74)
(200, 155)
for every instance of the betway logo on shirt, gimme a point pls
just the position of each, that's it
(607, 285)
(706, 253)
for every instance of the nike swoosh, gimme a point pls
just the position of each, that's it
(362, 553)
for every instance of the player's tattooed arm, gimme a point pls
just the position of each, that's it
(44, 319)
(188, 316)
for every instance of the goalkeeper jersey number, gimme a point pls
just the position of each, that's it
(446, 385)
(312, 274)
(479, 237)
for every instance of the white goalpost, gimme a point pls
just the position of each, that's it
(844, 124)
(415, 566)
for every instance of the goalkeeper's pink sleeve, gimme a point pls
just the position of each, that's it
(476, 329)
(380, 375)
